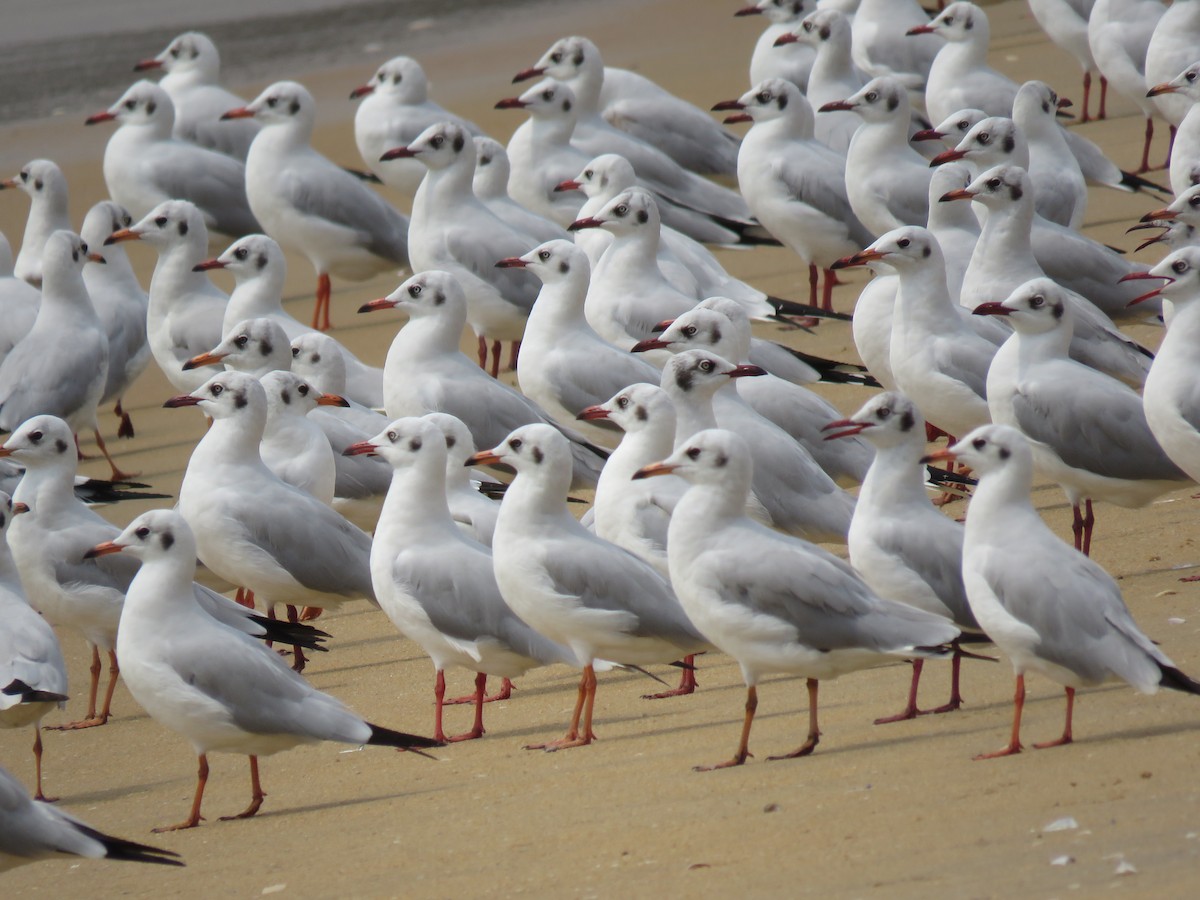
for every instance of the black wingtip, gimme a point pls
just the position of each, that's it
(784, 307)
(131, 851)
(1134, 182)
(369, 177)
(385, 737)
(18, 688)
(297, 634)
(1176, 680)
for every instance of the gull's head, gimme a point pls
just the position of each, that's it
(604, 177)
(539, 450)
(66, 251)
(565, 59)
(548, 99)
(254, 256)
(908, 248)
(886, 420)
(712, 456)
(1179, 274)
(460, 444)
(491, 163)
(290, 395)
(1186, 82)
(992, 141)
(153, 535)
(632, 211)
(144, 103)
(401, 79)
(997, 188)
(958, 22)
(171, 224)
(103, 220)
(635, 408)
(552, 262)
(989, 449)
(439, 146)
(318, 359)
(282, 103)
(821, 26)
(42, 180)
(699, 328)
(430, 293)
(879, 100)
(1036, 98)
(406, 443)
(777, 12)
(227, 395)
(255, 346)
(771, 98)
(42, 441)
(699, 372)
(955, 127)
(192, 52)
(1036, 307)
(1185, 208)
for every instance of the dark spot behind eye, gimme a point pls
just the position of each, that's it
(439, 298)
(578, 60)
(458, 143)
(564, 267)
(266, 347)
(60, 445)
(1004, 453)
(451, 440)
(239, 400)
(979, 443)
(824, 32)
(168, 540)
(643, 217)
(683, 378)
(1058, 310)
(782, 101)
(906, 420)
(286, 397)
(926, 251)
(893, 102)
(183, 228)
(1015, 192)
(538, 456)
(566, 105)
(1008, 143)
(721, 460)
(415, 444)
(262, 261)
(968, 23)
(295, 107)
(693, 453)
(641, 414)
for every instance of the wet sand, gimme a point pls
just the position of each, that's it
(887, 811)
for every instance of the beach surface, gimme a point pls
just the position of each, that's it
(899, 810)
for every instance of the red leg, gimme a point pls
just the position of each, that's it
(194, 818)
(910, 710)
(1089, 522)
(1103, 114)
(1170, 148)
(587, 687)
(827, 290)
(299, 660)
(439, 699)
(1145, 166)
(324, 295)
(1087, 92)
(814, 276)
(1014, 744)
(125, 429)
(256, 794)
(687, 682)
(37, 764)
(955, 697)
(743, 750)
(495, 359)
(307, 614)
(114, 672)
(1066, 735)
(91, 720)
(483, 352)
(505, 692)
(514, 350)
(1077, 526)
(117, 474)
(814, 733)
(477, 728)
(246, 599)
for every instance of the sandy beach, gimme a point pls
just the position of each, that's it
(882, 811)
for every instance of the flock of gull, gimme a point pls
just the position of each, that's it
(878, 137)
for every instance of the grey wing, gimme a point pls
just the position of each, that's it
(1189, 405)
(477, 249)
(32, 830)
(1092, 422)
(356, 477)
(820, 182)
(604, 576)
(968, 359)
(320, 549)
(216, 183)
(29, 651)
(937, 559)
(582, 383)
(339, 197)
(38, 377)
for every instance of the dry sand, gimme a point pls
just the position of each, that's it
(898, 810)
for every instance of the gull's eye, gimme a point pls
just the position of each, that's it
(392, 436)
(871, 96)
(161, 221)
(689, 330)
(807, 26)
(1037, 301)
(556, 56)
(35, 436)
(241, 341)
(515, 444)
(707, 365)
(547, 95)
(903, 242)
(131, 104)
(622, 402)
(241, 252)
(883, 413)
(693, 453)
(1190, 76)
(396, 79)
(979, 443)
(1194, 201)
(217, 390)
(142, 533)
(984, 138)
(24, 174)
(763, 97)
(272, 102)
(622, 210)
(994, 183)
(949, 20)
(544, 255)
(588, 173)
(963, 124)
(414, 290)
(295, 353)
(437, 140)
(83, 247)
(302, 390)
(175, 52)
(1179, 266)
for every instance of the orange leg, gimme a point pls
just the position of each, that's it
(910, 710)
(477, 728)
(91, 720)
(1145, 166)
(585, 697)
(743, 750)
(955, 701)
(309, 613)
(483, 352)
(117, 474)
(831, 279)
(1014, 743)
(321, 311)
(814, 733)
(505, 692)
(256, 795)
(687, 682)
(814, 277)
(1066, 735)
(194, 818)
(37, 763)
(246, 599)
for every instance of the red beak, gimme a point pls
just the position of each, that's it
(526, 74)
(837, 106)
(362, 448)
(242, 112)
(1146, 276)
(921, 29)
(587, 222)
(374, 305)
(947, 156)
(511, 262)
(747, 371)
(398, 153)
(943, 455)
(861, 258)
(362, 91)
(749, 11)
(147, 64)
(960, 194)
(99, 117)
(927, 134)
(1163, 88)
(991, 309)
(207, 265)
(1159, 215)
(568, 185)
(649, 344)
(103, 550)
(849, 428)
(728, 104)
(181, 400)
(785, 39)
(511, 103)
(592, 412)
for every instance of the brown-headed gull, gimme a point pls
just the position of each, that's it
(490, 184)
(49, 210)
(186, 309)
(436, 584)
(833, 77)
(622, 109)
(1185, 148)
(192, 67)
(470, 506)
(881, 47)
(452, 230)
(1171, 49)
(1055, 613)
(395, 109)
(253, 346)
(795, 185)
(120, 303)
(426, 372)
(309, 204)
(33, 674)
(293, 446)
(1086, 430)
(771, 59)
(1066, 24)
(259, 269)
(902, 547)
(144, 165)
(773, 602)
(220, 689)
(585, 593)
(32, 831)
(565, 366)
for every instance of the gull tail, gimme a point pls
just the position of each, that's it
(130, 851)
(369, 177)
(385, 737)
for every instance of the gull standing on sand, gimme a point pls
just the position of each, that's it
(120, 303)
(32, 831)
(395, 111)
(833, 76)
(1173, 47)
(213, 684)
(251, 528)
(576, 589)
(490, 184)
(771, 59)
(1119, 33)
(260, 268)
(1086, 430)
(144, 165)
(293, 446)
(773, 602)
(903, 548)
(1057, 613)
(452, 230)
(565, 366)
(309, 204)
(186, 309)
(436, 584)
(193, 73)
(49, 212)
(426, 372)
(1185, 148)
(471, 508)
(1066, 24)
(794, 184)
(33, 674)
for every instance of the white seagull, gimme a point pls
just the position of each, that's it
(49, 212)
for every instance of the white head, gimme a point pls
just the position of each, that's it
(635, 408)
(42, 442)
(255, 346)
(888, 419)
(401, 80)
(144, 103)
(192, 52)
